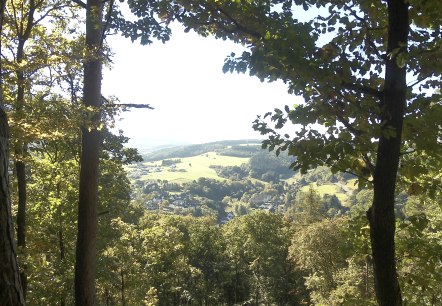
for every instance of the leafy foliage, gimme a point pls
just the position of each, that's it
(351, 70)
(335, 58)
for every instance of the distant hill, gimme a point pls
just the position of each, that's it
(220, 160)
(235, 148)
(147, 145)
(230, 178)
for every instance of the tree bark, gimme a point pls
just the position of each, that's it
(20, 168)
(85, 267)
(381, 214)
(11, 292)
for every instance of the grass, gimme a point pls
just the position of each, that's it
(322, 189)
(194, 168)
(352, 184)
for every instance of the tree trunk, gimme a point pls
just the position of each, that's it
(123, 296)
(61, 245)
(381, 214)
(85, 265)
(11, 292)
(20, 150)
(20, 168)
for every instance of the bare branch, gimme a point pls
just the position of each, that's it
(131, 105)
(419, 80)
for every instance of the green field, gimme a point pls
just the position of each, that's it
(200, 165)
(192, 168)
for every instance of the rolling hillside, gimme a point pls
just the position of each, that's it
(228, 162)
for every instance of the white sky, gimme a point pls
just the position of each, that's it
(194, 101)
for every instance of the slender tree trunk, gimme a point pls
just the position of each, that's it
(20, 168)
(85, 266)
(20, 150)
(381, 214)
(61, 245)
(11, 292)
(123, 288)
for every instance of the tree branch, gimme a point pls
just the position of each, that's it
(14, 13)
(368, 162)
(54, 8)
(106, 25)
(239, 27)
(347, 124)
(419, 80)
(30, 21)
(80, 3)
(367, 29)
(349, 172)
(363, 89)
(131, 105)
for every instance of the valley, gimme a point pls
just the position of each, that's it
(227, 179)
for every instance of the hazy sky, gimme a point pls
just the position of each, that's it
(183, 79)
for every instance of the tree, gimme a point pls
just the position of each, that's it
(30, 49)
(52, 214)
(334, 255)
(165, 254)
(96, 29)
(205, 251)
(11, 292)
(51, 221)
(308, 208)
(261, 272)
(350, 63)
(419, 245)
(85, 265)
